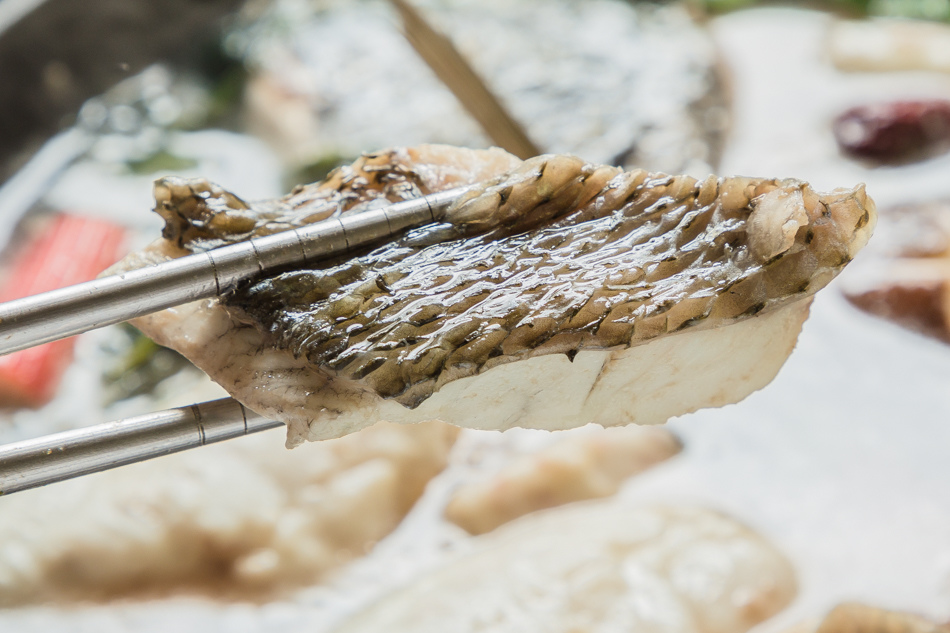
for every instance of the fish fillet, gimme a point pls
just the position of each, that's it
(858, 617)
(579, 467)
(906, 279)
(555, 294)
(238, 520)
(598, 567)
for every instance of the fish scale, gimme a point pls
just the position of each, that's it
(518, 282)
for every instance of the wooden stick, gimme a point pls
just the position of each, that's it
(457, 74)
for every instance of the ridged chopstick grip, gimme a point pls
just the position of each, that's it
(45, 460)
(60, 313)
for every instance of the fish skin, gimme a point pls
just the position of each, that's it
(553, 260)
(557, 257)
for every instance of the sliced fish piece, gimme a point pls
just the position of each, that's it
(556, 294)
(578, 467)
(906, 277)
(239, 520)
(862, 618)
(598, 567)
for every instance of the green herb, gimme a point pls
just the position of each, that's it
(161, 161)
(226, 97)
(938, 10)
(317, 170)
(140, 365)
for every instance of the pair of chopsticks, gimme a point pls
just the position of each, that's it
(75, 309)
(69, 311)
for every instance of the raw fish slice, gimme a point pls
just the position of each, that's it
(597, 567)
(587, 464)
(907, 277)
(851, 617)
(238, 520)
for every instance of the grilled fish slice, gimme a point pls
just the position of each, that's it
(557, 294)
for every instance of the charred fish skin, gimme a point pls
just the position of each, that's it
(557, 257)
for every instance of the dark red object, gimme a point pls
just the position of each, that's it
(895, 133)
(72, 249)
(920, 305)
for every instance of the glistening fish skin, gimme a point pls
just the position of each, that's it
(610, 288)
(556, 257)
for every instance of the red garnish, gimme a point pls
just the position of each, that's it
(73, 249)
(895, 133)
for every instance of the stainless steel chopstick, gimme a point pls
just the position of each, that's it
(60, 313)
(44, 460)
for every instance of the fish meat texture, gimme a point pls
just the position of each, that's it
(905, 278)
(598, 567)
(856, 616)
(554, 294)
(589, 465)
(243, 520)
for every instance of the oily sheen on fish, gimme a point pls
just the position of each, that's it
(555, 294)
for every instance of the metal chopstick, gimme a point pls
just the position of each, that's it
(69, 311)
(37, 462)
(60, 313)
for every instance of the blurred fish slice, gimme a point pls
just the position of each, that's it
(856, 617)
(73, 249)
(889, 45)
(591, 465)
(468, 87)
(597, 567)
(906, 277)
